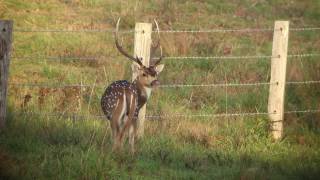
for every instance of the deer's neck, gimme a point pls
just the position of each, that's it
(143, 93)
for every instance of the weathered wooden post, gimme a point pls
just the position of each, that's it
(5, 48)
(142, 46)
(278, 78)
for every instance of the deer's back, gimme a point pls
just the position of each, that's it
(115, 92)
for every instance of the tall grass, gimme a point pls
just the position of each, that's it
(42, 147)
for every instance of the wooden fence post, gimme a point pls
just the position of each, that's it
(5, 48)
(142, 45)
(278, 78)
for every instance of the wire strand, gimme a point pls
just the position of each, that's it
(303, 55)
(21, 30)
(303, 111)
(59, 58)
(239, 30)
(169, 85)
(94, 58)
(220, 57)
(48, 85)
(247, 30)
(217, 30)
(304, 29)
(239, 84)
(303, 82)
(208, 115)
(217, 85)
(74, 116)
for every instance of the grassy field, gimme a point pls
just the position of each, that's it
(37, 145)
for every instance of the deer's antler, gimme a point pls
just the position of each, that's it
(156, 46)
(121, 50)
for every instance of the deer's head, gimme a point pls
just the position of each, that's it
(147, 76)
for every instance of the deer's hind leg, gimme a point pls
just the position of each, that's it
(115, 133)
(132, 122)
(117, 118)
(132, 134)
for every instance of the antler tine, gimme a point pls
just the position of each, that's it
(158, 30)
(121, 50)
(160, 58)
(154, 48)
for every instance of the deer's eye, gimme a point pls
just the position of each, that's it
(144, 74)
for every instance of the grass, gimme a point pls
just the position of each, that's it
(43, 147)
(39, 146)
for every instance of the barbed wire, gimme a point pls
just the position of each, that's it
(21, 30)
(303, 82)
(304, 29)
(216, 85)
(239, 30)
(168, 85)
(75, 116)
(217, 30)
(59, 58)
(303, 111)
(72, 116)
(247, 30)
(231, 114)
(303, 55)
(161, 86)
(48, 85)
(238, 84)
(208, 115)
(241, 57)
(220, 57)
(94, 58)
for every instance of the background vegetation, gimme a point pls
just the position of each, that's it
(42, 146)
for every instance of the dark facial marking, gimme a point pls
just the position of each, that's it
(151, 71)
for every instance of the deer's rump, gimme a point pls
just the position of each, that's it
(116, 93)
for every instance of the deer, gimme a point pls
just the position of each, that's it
(122, 100)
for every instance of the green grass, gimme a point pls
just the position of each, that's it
(46, 147)
(43, 147)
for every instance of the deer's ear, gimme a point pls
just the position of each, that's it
(159, 68)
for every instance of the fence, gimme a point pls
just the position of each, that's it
(5, 48)
(143, 33)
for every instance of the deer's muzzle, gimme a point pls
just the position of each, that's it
(155, 83)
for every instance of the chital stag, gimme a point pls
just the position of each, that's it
(122, 100)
